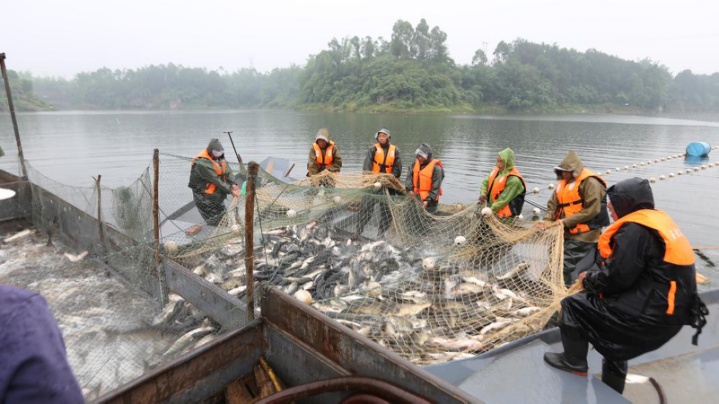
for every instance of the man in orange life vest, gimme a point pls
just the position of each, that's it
(639, 294)
(382, 157)
(211, 180)
(504, 189)
(424, 178)
(324, 155)
(578, 203)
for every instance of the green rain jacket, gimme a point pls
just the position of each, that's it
(514, 185)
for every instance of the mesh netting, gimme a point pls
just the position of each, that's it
(430, 287)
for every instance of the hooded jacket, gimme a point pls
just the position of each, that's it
(204, 175)
(593, 195)
(635, 300)
(313, 167)
(508, 182)
(437, 173)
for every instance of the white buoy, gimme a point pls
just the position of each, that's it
(337, 199)
(617, 169)
(551, 187)
(641, 164)
(679, 173)
(704, 167)
(170, 247)
(536, 190)
(689, 171)
(609, 171)
(460, 241)
(662, 177)
(303, 296)
(634, 166)
(626, 168)
(671, 175)
(429, 263)
(696, 168)
(652, 180)
(291, 213)
(486, 211)
(377, 185)
(536, 211)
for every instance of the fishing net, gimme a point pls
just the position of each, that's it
(356, 246)
(430, 287)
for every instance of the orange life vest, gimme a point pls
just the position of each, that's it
(423, 179)
(325, 159)
(495, 188)
(570, 202)
(678, 249)
(380, 160)
(221, 170)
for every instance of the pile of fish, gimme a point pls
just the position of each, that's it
(426, 307)
(113, 334)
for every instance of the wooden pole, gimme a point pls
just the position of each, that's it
(99, 212)
(156, 223)
(11, 107)
(253, 168)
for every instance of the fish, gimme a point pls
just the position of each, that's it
(497, 325)
(527, 311)
(18, 236)
(521, 267)
(74, 258)
(411, 309)
(187, 340)
(474, 280)
(171, 309)
(459, 344)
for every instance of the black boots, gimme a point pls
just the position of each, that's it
(614, 374)
(574, 357)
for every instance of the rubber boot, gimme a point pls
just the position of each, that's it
(574, 357)
(614, 374)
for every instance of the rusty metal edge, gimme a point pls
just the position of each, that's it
(354, 352)
(226, 358)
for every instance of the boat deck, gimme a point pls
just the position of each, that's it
(516, 372)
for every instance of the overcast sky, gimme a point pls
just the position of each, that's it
(62, 38)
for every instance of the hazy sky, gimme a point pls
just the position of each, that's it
(62, 38)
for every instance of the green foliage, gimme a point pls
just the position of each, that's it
(411, 72)
(24, 98)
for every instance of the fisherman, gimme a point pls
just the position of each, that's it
(324, 155)
(640, 294)
(211, 181)
(504, 189)
(383, 157)
(579, 204)
(33, 360)
(424, 180)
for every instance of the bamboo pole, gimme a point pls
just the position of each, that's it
(11, 107)
(253, 168)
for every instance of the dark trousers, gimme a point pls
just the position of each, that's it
(574, 251)
(367, 210)
(212, 210)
